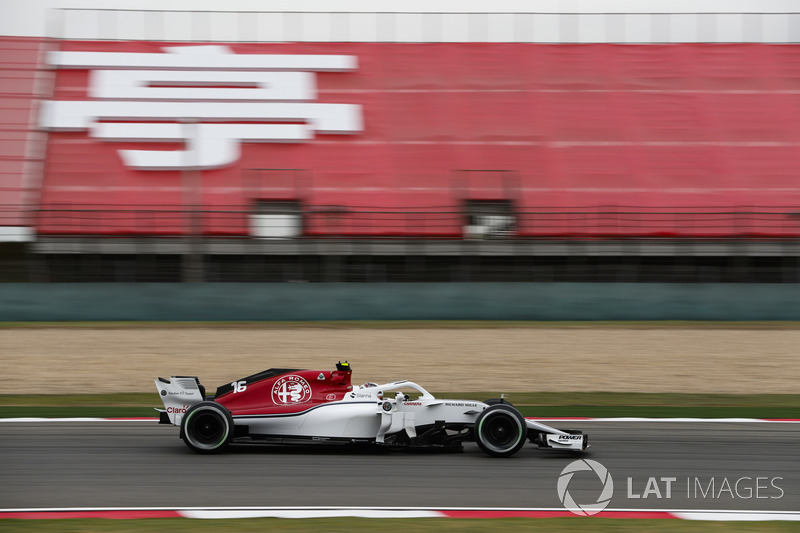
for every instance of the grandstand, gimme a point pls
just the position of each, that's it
(504, 153)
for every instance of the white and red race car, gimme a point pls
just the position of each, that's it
(283, 406)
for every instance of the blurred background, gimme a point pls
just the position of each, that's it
(415, 163)
(598, 142)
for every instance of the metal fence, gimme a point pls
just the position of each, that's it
(363, 267)
(292, 221)
(294, 243)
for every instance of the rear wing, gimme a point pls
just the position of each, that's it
(178, 394)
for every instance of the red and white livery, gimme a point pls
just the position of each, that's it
(285, 406)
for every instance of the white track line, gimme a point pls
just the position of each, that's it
(408, 512)
(216, 514)
(742, 516)
(77, 419)
(545, 419)
(644, 419)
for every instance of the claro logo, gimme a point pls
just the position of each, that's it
(177, 410)
(206, 97)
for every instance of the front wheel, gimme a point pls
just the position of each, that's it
(207, 427)
(496, 401)
(500, 430)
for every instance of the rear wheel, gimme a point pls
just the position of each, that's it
(500, 430)
(207, 427)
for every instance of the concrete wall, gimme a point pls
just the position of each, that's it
(398, 301)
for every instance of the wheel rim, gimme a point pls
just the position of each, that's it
(206, 429)
(501, 432)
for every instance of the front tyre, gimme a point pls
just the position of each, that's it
(207, 427)
(496, 401)
(500, 430)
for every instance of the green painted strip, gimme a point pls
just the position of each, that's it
(414, 324)
(533, 404)
(397, 301)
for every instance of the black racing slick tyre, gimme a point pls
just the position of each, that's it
(496, 401)
(207, 427)
(500, 430)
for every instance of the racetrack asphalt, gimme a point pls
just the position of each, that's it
(143, 464)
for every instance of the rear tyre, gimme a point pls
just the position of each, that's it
(207, 427)
(500, 431)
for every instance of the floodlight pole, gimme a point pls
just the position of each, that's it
(192, 270)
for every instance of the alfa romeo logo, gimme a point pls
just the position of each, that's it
(591, 508)
(291, 389)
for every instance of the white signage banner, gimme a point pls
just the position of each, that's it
(206, 97)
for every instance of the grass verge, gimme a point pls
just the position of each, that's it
(367, 525)
(534, 404)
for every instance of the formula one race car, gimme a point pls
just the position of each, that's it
(281, 406)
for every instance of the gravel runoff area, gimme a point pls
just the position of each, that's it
(63, 360)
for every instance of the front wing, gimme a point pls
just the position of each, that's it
(545, 436)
